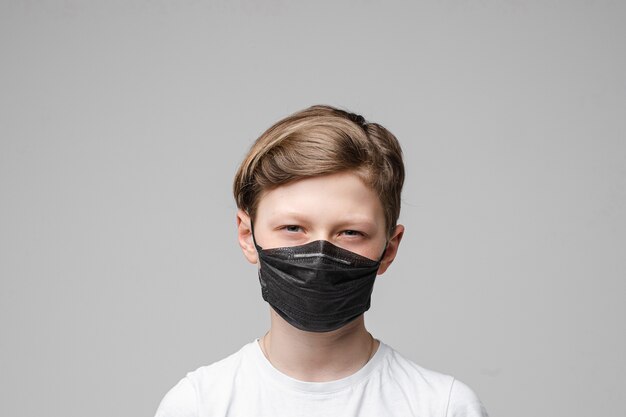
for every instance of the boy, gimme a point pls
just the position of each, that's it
(318, 199)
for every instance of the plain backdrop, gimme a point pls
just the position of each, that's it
(122, 123)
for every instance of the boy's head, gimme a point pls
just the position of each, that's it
(318, 141)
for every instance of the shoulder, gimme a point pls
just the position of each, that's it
(444, 394)
(213, 376)
(407, 373)
(463, 402)
(182, 400)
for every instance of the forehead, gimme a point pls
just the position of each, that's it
(341, 196)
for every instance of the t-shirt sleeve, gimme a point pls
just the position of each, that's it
(180, 401)
(463, 402)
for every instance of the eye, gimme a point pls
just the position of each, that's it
(352, 233)
(292, 228)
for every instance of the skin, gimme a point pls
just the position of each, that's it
(339, 208)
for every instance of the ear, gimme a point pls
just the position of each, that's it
(392, 249)
(244, 236)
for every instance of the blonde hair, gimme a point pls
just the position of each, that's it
(317, 141)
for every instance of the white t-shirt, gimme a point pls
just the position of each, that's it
(245, 384)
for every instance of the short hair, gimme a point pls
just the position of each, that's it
(317, 141)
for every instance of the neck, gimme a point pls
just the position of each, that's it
(318, 357)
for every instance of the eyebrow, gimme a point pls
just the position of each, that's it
(286, 217)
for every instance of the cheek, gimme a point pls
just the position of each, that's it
(371, 250)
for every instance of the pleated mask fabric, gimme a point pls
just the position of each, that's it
(318, 286)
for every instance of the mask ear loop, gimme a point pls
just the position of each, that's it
(384, 251)
(253, 239)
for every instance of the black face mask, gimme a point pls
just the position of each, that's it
(317, 287)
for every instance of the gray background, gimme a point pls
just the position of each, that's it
(122, 124)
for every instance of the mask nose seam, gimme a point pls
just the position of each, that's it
(322, 255)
